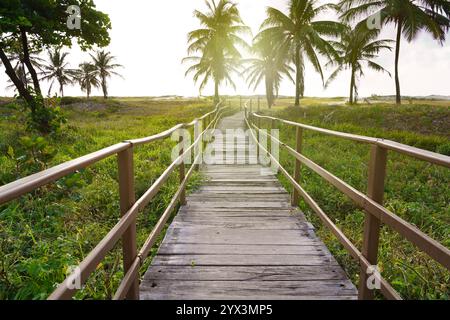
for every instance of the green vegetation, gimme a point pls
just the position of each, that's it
(415, 190)
(45, 231)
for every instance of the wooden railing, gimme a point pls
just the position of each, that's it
(129, 208)
(370, 203)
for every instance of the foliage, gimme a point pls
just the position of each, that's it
(39, 24)
(217, 42)
(357, 46)
(104, 68)
(409, 16)
(302, 36)
(57, 70)
(270, 64)
(86, 76)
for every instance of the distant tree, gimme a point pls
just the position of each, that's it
(86, 76)
(303, 35)
(269, 64)
(58, 70)
(103, 62)
(215, 44)
(358, 46)
(409, 17)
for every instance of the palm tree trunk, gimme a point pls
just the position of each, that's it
(61, 89)
(269, 92)
(352, 85)
(298, 77)
(105, 88)
(216, 92)
(398, 97)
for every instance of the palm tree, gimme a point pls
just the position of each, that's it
(103, 62)
(270, 65)
(86, 76)
(357, 46)
(302, 35)
(216, 42)
(409, 17)
(18, 62)
(57, 70)
(22, 75)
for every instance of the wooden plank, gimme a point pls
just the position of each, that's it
(199, 224)
(241, 236)
(180, 248)
(270, 290)
(244, 260)
(244, 273)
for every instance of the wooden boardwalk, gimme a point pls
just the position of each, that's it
(238, 237)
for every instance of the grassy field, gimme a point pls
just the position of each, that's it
(415, 190)
(55, 227)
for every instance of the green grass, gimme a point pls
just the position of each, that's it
(415, 190)
(44, 232)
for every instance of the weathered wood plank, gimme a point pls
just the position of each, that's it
(181, 248)
(244, 273)
(244, 260)
(246, 289)
(241, 236)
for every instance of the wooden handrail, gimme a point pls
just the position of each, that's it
(436, 250)
(376, 212)
(125, 228)
(421, 154)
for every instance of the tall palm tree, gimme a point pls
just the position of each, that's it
(86, 76)
(409, 17)
(270, 65)
(57, 70)
(299, 31)
(213, 48)
(356, 47)
(103, 62)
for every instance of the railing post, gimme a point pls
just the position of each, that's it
(298, 147)
(198, 148)
(258, 138)
(127, 199)
(182, 173)
(375, 191)
(251, 112)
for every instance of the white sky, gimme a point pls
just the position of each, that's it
(149, 39)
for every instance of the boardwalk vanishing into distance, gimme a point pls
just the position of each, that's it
(238, 237)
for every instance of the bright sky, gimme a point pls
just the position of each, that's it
(149, 39)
